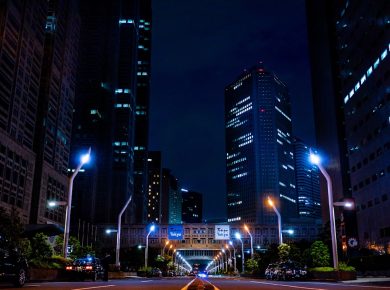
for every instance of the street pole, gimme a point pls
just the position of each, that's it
(250, 235)
(84, 160)
(146, 248)
(118, 234)
(316, 160)
(271, 203)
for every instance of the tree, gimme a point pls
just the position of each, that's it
(320, 254)
(251, 265)
(284, 252)
(11, 227)
(40, 247)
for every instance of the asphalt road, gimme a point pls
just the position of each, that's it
(189, 283)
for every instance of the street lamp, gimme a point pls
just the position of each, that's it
(152, 228)
(247, 230)
(234, 254)
(118, 236)
(271, 203)
(163, 251)
(238, 237)
(230, 255)
(315, 159)
(54, 203)
(109, 231)
(84, 159)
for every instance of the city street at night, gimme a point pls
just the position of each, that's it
(221, 283)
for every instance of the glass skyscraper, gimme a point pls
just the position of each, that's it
(259, 152)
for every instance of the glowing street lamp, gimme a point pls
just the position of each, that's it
(315, 159)
(163, 251)
(238, 237)
(152, 228)
(84, 159)
(230, 255)
(234, 254)
(54, 203)
(271, 203)
(247, 230)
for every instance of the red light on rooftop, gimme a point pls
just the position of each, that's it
(262, 110)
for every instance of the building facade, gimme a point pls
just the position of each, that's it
(259, 152)
(307, 182)
(141, 138)
(155, 195)
(350, 90)
(106, 122)
(171, 199)
(38, 51)
(192, 206)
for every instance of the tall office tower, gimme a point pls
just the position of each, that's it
(359, 40)
(154, 187)
(307, 182)
(22, 30)
(55, 111)
(171, 198)
(141, 140)
(105, 121)
(192, 206)
(259, 152)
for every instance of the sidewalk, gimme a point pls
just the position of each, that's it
(367, 280)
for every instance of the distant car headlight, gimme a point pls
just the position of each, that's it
(202, 275)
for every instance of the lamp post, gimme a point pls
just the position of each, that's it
(163, 251)
(315, 159)
(238, 237)
(84, 159)
(118, 236)
(247, 230)
(230, 255)
(271, 203)
(234, 254)
(152, 228)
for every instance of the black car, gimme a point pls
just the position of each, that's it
(86, 268)
(13, 267)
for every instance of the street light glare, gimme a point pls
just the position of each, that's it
(85, 158)
(315, 159)
(238, 236)
(348, 204)
(270, 202)
(152, 228)
(108, 231)
(52, 203)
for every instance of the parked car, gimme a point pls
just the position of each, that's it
(156, 272)
(86, 268)
(13, 267)
(290, 270)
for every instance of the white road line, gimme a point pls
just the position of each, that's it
(354, 285)
(186, 286)
(95, 287)
(146, 281)
(289, 286)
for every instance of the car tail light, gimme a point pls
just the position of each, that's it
(88, 268)
(68, 267)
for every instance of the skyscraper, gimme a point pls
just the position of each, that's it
(141, 138)
(171, 198)
(192, 207)
(21, 53)
(39, 53)
(259, 153)
(106, 122)
(307, 182)
(357, 38)
(155, 187)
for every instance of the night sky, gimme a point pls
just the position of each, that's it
(200, 46)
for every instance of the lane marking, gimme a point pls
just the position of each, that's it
(356, 284)
(188, 285)
(289, 286)
(215, 287)
(94, 287)
(146, 281)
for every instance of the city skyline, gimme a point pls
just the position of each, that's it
(190, 72)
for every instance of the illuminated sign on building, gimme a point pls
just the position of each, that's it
(222, 232)
(175, 232)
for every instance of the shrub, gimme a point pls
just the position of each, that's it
(284, 252)
(40, 247)
(320, 254)
(321, 269)
(344, 267)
